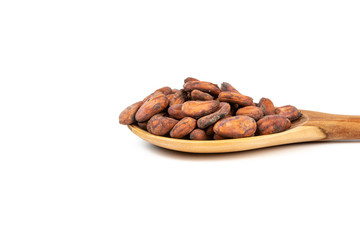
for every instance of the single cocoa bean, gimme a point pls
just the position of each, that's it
(233, 97)
(161, 125)
(272, 124)
(202, 86)
(178, 98)
(218, 137)
(197, 109)
(127, 116)
(227, 87)
(183, 127)
(176, 112)
(152, 106)
(210, 131)
(201, 96)
(190, 79)
(267, 106)
(210, 119)
(198, 134)
(291, 112)
(164, 90)
(251, 111)
(142, 125)
(235, 127)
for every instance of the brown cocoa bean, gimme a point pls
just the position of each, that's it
(235, 127)
(178, 98)
(142, 125)
(251, 111)
(201, 96)
(272, 124)
(176, 112)
(210, 119)
(218, 137)
(127, 116)
(233, 97)
(152, 106)
(291, 112)
(227, 87)
(210, 131)
(267, 106)
(190, 79)
(183, 127)
(197, 109)
(198, 134)
(164, 90)
(206, 87)
(161, 125)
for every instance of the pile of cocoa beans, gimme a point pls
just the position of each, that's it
(205, 111)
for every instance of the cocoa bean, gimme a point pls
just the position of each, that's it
(201, 96)
(161, 125)
(198, 134)
(142, 125)
(235, 127)
(251, 111)
(233, 97)
(210, 119)
(218, 137)
(152, 106)
(127, 116)
(227, 87)
(206, 87)
(178, 98)
(197, 109)
(272, 124)
(267, 106)
(190, 79)
(176, 112)
(291, 112)
(183, 127)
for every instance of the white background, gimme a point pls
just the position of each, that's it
(68, 170)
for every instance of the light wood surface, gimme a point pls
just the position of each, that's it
(312, 126)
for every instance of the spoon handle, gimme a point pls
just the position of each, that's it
(336, 127)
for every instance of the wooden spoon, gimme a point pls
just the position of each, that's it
(312, 126)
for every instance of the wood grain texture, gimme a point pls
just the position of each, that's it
(312, 126)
